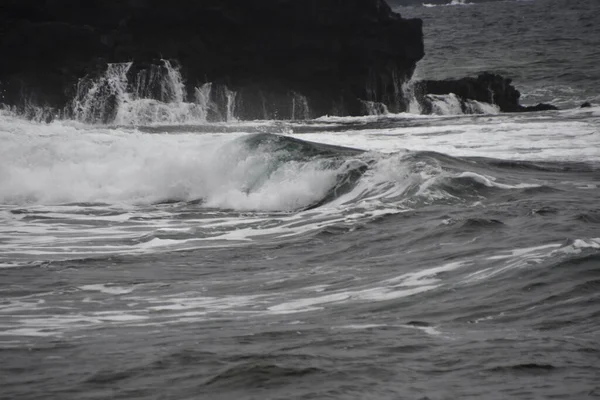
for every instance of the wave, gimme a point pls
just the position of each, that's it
(70, 164)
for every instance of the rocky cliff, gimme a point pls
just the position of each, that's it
(330, 53)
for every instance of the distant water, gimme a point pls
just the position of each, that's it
(392, 256)
(550, 48)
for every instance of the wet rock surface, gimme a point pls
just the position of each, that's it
(330, 52)
(486, 88)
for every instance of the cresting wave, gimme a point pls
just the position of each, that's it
(124, 190)
(149, 245)
(267, 172)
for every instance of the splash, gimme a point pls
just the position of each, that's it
(408, 89)
(124, 166)
(204, 101)
(451, 104)
(266, 172)
(155, 95)
(300, 108)
(98, 100)
(398, 95)
(374, 108)
(231, 105)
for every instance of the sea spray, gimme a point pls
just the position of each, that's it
(300, 108)
(398, 93)
(162, 82)
(68, 165)
(451, 104)
(98, 100)
(231, 105)
(374, 108)
(412, 104)
(445, 104)
(203, 99)
(154, 95)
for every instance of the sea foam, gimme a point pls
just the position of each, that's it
(57, 163)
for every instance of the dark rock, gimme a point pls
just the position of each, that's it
(486, 88)
(538, 107)
(587, 104)
(330, 51)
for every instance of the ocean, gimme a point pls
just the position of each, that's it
(390, 256)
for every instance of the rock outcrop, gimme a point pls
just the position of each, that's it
(330, 53)
(486, 88)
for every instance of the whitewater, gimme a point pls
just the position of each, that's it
(161, 248)
(379, 231)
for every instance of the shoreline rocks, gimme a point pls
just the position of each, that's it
(485, 88)
(330, 52)
(268, 59)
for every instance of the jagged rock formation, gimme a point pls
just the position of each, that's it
(330, 53)
(486, 88)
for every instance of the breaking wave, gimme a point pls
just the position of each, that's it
(264, 171)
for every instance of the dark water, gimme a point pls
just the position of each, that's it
(427, 279)
(550, 48)
(382, 257)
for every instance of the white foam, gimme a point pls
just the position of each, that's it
(108, 289)
(9, 265)
(309, 303)
(118, 317)
(425, 276)
(56, 325)
(533, 136)
(43, 166)
(380, 293)
(39, 332)
(459, 3)
(157, 96)
(578, 246)
(191, 301)
(452, 3)
(362, 326)
(446, 104)
(505, 261)
(103, 165)
(427, 329)
(490, 181)
(154, 112)
(523, 251)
